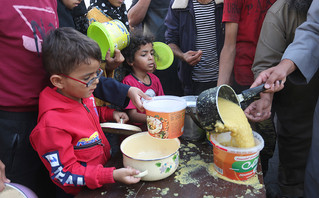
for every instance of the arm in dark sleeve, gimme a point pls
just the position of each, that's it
(112, 91)
(172, 24)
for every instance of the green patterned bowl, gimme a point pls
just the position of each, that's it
(158, 157)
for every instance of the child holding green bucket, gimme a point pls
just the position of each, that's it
(110, 10)
(140, 64)
(104, 11)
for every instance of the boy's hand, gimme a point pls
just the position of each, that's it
(118, 116)
(135, 94)
(113, 63)
(126, 175)
(3, 178)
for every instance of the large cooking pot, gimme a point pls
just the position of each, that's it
(155, 158)
(192, 128)
(207, 103)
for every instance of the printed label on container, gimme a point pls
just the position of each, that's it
(118, 33)
(165, 125)
(235, 166)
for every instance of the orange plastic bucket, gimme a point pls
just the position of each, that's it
(235, 163)
(165, 116)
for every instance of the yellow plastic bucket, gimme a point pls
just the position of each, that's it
(109, 35)
(235, 163)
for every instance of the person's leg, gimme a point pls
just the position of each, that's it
(23, 164)
(292, 162)
(311, 187)
(295, 109)
(294, 144)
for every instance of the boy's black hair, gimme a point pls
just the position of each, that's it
(136, 41)
(63, 49)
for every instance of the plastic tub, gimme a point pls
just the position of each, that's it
(165, 116)
(235, 163)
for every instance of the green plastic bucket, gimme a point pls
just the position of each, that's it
(109, 35)
(163, 55)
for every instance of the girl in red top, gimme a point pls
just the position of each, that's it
(140, 61)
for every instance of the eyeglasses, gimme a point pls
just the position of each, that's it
(99, 73)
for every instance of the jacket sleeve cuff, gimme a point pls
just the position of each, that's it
(105, 175)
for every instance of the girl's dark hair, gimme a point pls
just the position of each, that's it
(136, 41)
(63, 49)
(135, 44)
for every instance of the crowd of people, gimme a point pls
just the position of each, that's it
(52, 73)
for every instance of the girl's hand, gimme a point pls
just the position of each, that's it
(120, 117)
(126, 175)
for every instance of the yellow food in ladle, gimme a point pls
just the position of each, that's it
(236, 122)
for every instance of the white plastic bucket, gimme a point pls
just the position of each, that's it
(165, 116)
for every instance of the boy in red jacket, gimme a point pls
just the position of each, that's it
(68, 136)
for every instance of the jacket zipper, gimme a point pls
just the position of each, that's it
(99, 142)
(92, 117)
(87, 109)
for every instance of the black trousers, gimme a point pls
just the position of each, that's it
(23, 164)
(295, 106)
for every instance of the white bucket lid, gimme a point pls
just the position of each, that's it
(165, 104)
(258, 141)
